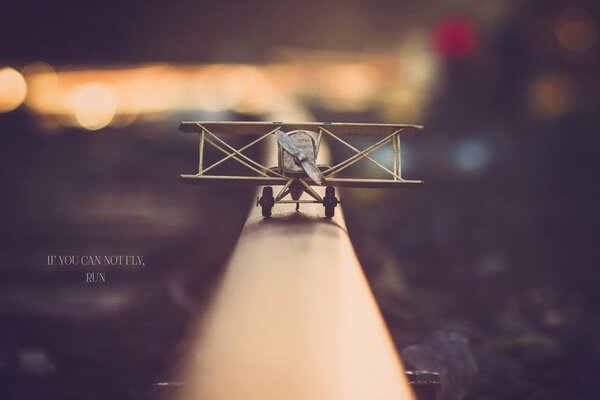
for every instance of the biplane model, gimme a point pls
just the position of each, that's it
(297, 171)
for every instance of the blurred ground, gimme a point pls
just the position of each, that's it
(110, 194)
(500, 245)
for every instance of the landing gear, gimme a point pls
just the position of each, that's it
(330, 202)
(266, 201)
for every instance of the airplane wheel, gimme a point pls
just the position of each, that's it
(329, 212)
(267, 201)
(330, 202)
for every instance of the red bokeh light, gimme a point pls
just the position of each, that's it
(454, 37)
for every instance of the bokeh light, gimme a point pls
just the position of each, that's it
(550, 95)
(576, 30)
(94, 106)
(455, 37)
(119, 96)
(42, 84)
(402, 105)
(472, 155)
(13, 89)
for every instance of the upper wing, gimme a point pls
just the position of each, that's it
(257, 128)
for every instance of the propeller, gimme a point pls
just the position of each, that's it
(306, 163)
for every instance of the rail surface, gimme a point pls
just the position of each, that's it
(294, 318)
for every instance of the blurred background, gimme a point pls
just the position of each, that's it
(499, 246)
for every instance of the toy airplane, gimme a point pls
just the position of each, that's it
(298, 147)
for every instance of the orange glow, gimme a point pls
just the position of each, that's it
(13, 89)
(123, 95)
(576, 30)
(551, 95)
(42, 82)
(94, 106)
(402, 105)
(419, 65)
(351, 85)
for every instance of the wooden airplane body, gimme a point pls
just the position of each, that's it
(298, 147)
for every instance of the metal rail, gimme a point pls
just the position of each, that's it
(293, 318)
